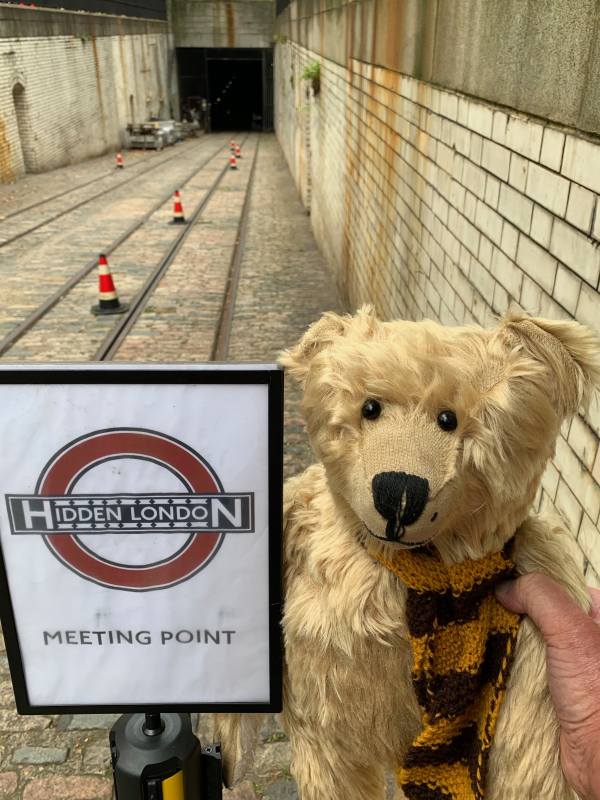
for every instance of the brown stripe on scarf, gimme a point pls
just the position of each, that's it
(422, 608)
(449, 695)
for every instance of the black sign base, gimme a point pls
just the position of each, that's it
(158, 757)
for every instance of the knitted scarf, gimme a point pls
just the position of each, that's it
(462, 642)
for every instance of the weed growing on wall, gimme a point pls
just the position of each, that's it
(312, 73)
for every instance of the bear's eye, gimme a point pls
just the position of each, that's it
(447, 420)
(371, 409)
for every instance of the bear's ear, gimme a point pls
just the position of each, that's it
(318, 336)
(570, 350)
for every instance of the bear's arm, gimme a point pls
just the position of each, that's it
(299, 493)
(543, 544)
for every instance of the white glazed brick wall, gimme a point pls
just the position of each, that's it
(431, 204)
(76, 96)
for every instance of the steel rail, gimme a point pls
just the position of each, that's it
(47, 221)
(115, 338)
(11, 338)
(76, 188)
(220, 346)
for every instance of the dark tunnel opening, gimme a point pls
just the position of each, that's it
(235, 94)
(236, 83)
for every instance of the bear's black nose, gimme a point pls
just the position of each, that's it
(400, 499)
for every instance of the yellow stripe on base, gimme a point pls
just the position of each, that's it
(172, 788)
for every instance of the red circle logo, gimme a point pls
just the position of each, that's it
(69, 464)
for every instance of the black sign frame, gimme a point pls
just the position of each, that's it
(252, 374)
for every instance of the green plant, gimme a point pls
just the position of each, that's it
(312, 73)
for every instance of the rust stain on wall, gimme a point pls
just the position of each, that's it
(426, 50)
(344, 278)
(99, 89)
(364, 21)
(372, 55)
(375, 265)
(123, 67)
(354, 134)
(230, 19)
(6, 166)
(394, 25)
(97, 74)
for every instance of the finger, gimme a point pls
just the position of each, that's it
(549, 606)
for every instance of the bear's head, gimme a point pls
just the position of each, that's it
(440, 434)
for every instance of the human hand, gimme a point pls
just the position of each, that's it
(573, 659)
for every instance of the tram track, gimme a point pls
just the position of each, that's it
(115, 338)
(37, 314)
(85, 201)
(120, 331)
(220, 346)
(70, 189)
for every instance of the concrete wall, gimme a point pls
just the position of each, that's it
(70, 82)
(219, 23)
(542, 57)
(429, 202)
(145, 9)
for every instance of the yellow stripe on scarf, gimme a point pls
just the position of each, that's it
(424, 573)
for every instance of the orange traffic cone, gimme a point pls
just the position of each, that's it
(238, 151)
(232, 145)
(178, 218)
(120, 162)
(232, 162)
(108, 298)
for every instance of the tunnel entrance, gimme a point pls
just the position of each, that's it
(235, 93)
(235, 84)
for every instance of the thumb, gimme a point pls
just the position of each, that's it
(595, 610)
(545, 602)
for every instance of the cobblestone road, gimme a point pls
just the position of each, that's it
(35, 266)
(35, 188)
(283, 287)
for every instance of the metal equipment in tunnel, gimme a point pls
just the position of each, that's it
(237, 84)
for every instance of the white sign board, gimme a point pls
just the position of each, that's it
(140, 524)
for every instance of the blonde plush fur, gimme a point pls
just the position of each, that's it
(349, 706)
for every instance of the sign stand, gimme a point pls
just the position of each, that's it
(157, 757)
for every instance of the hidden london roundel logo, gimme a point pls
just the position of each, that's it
(95, 534)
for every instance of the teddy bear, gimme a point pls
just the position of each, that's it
(432, 442)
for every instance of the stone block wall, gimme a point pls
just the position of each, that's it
(70, 82)
(428, 202)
